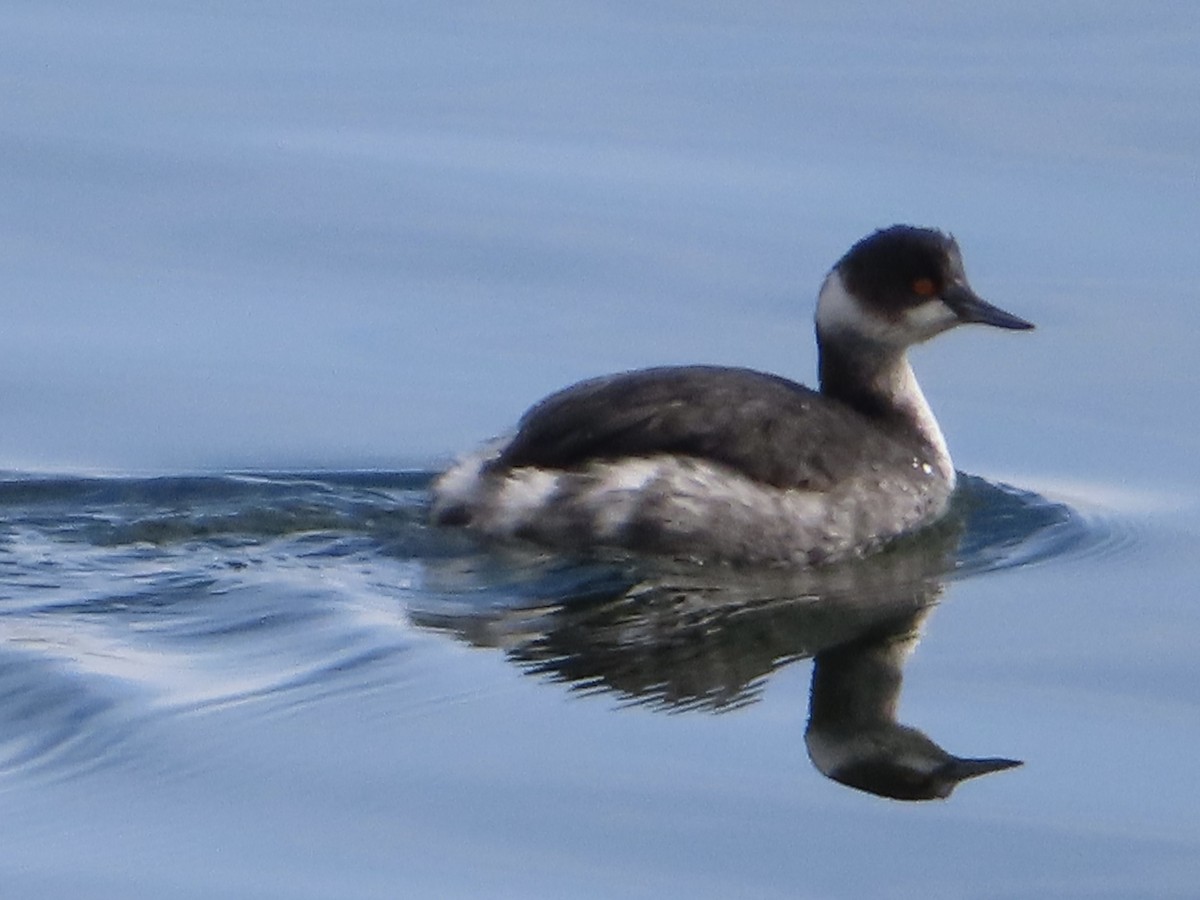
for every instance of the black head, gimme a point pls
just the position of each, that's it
(903, 285)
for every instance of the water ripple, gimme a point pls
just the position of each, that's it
(123, 600)
(1008, 527)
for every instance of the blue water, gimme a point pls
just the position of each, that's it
(266, 267)
(275, 671)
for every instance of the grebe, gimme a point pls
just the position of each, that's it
(730, 464)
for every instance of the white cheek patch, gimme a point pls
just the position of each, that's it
(840, 311)
(837, 310)
(930, 318)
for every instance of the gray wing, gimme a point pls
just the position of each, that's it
(768, 428)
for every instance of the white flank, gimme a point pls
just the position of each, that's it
(620, 491)
(461, 482)
(629, 475)
(524, 493)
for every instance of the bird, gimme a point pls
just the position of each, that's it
(717, 464)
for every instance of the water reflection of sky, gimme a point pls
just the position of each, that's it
(237, 236)
(371, 234)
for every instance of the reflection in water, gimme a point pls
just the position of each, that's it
(853, 736)
(124, 601)
(691, 637)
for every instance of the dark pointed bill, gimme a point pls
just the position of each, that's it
(970, 307)
(961, 769)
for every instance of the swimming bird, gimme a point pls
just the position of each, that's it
(714, 463)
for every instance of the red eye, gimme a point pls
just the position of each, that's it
(923, 287)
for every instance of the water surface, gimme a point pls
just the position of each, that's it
(241, 241)
(257, 667)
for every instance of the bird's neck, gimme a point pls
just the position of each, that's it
(878, 382)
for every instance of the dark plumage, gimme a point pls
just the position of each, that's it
(885, 266)
(769, 429)
(732, 464)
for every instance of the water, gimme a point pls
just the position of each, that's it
(226, 652)
(266, 268)
(130, 598)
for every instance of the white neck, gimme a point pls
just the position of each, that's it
(907, 395)
(864, 362)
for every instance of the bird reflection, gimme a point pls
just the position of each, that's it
(853, 736)
(681, 637)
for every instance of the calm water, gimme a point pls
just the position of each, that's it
(291, 685)
(266, 267)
